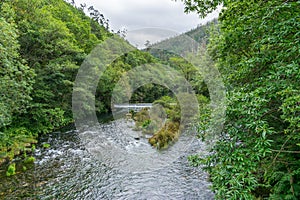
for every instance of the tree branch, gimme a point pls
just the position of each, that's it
(284, 151)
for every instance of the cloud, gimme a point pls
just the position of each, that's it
(140, 14)
(139, 37)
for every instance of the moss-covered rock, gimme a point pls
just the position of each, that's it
(165, 136)
(16, 141)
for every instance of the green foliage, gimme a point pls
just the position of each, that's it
(13, 141)
(141, 118)
(11, 170)
(186, 44)
(202, 7)
(146, 123)
(256, 47)
(180, 44)
(16, 79)
(30, 159)
(113, 74)
(44, 120)
(171, 107)
(166, 102)
(163, 132)
(195, 160)
(190, 73)
(149, 93)
(203, 121)
(42, 45)
(46, 145)
(167, 132)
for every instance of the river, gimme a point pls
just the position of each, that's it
(72, 168)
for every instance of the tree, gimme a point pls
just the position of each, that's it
(42, 45)
(257, 51)
(203, 7)
(16, 83)
(16, 77)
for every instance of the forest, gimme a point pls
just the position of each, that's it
(254, 44)
(43, 44)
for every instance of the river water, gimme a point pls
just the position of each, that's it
(81, 165)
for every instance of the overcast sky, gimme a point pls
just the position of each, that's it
(137, 16)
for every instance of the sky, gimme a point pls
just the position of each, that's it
(144, 20)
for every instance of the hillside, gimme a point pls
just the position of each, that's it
(43, 44)
(186, 42)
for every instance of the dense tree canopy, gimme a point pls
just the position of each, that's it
(16, 77)
(43, 44)
(256, 48)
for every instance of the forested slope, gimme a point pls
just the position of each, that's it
(43, 43)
